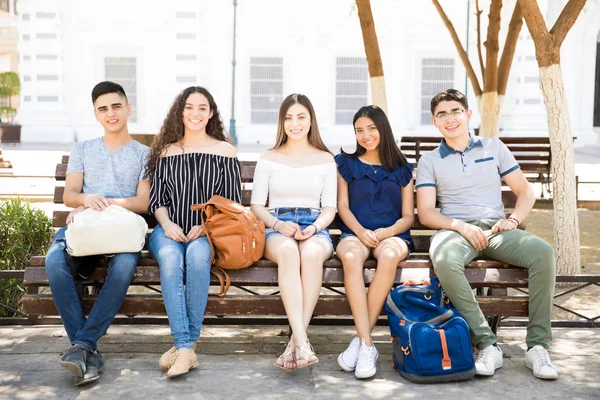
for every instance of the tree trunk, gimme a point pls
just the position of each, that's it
(489, 109)
(367, 25)
(566, 223)
(378, 92)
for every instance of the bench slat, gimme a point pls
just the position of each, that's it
(484, 273)
(250, 305)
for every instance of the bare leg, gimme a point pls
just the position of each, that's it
(284, 251)
(388, 253)
(353, 254)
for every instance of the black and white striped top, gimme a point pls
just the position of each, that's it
(185, 179)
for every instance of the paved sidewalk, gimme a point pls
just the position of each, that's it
(237, 363)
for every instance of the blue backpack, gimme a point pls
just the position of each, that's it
(431, 340)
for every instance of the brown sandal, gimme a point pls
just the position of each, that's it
(286, 356)
(305, 356)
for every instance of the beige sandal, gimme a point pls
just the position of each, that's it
(287, 356)
(305, 356)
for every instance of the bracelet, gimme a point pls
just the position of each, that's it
(513, 219)
(274, 225)
(316, 229)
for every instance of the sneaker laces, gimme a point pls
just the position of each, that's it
(352, 347)
(541, 356)
(485, 355)
(367, 355)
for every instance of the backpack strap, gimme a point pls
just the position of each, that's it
(224, 280)
(446, 363)
(222, 276)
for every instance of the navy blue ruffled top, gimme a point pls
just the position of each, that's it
(374, 194)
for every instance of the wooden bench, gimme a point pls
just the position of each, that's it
(532, 153)
(254, 290)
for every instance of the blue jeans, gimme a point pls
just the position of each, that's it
(302, 216)
(185, 306)
(81, 330)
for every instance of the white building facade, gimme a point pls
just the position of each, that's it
(313, 47)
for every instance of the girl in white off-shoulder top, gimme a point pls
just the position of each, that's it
(298, 177)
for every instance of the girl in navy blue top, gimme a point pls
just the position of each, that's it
(376, 208)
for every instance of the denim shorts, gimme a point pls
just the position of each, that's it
(345, 235)
(302, 216)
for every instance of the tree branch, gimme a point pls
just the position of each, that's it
(565, 20)
(492, 48)
(534, 19)
(479, 52)
(510, 45)
(459, 48)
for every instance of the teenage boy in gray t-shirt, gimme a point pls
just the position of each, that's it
(465, 175)
(103, 171)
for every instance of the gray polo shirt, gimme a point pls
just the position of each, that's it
(113, 174)
(468, 184)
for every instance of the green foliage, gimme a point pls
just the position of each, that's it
(9, 84)
(24, 232)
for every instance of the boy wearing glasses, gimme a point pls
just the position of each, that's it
(465, 175)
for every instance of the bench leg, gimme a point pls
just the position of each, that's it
(493, 321)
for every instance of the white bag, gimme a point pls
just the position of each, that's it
(110, 231)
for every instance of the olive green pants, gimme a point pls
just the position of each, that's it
(450, 252)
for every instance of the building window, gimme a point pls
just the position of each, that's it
(45, 15)
(26, 38)
(186, 79)
(26, 78)
(48, 99)
(27, 98)
(351, 88)
(186, 57)
(186, 36)
(266, 89)
(46, 57)
(185, 14)
(123, 71)
(26, 57)
(531, 101)
(531, 79)
(47, 77)
(25, 17)
(45, 36)
(437, 74)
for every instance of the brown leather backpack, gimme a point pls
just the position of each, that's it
(236, 237)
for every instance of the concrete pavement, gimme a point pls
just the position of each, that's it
(236, 362)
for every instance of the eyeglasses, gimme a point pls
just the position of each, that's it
(444, 116)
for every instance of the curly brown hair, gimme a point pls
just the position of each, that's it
(172, 129)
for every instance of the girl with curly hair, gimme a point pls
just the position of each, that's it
(190, 161)
(298, 177)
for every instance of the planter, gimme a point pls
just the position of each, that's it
(10, 133)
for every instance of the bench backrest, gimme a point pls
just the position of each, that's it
(421, 233)
(532, 153)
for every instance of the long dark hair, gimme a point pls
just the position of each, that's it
(390, 155)
(172, 129)
(314, 136)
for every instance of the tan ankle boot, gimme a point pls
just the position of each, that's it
(185, 360)
(168, 358)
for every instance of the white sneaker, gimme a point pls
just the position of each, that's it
(538, 360)
(489, 360)
(366, 366)
(347, 360)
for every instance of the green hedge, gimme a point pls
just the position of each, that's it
(24, 232)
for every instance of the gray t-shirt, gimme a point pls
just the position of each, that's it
(113, 174)
(468, 184)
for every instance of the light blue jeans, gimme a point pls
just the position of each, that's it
(81, 330)
(183, 264)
